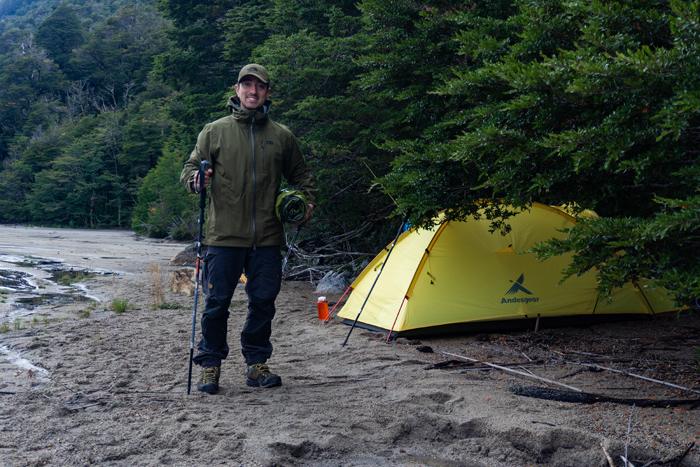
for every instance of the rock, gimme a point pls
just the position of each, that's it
(188, 256)
(332, 282)
(183, 281)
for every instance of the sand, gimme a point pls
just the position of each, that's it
(81, 384)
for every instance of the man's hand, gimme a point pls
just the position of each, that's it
(309, 210)
(207, 178)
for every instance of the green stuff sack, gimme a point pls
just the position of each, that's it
(290, 206)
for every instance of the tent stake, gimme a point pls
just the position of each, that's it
(401, 228)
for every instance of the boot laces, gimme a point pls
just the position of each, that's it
(209, 374)
(263, 369)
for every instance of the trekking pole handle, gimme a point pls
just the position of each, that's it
(201, 174)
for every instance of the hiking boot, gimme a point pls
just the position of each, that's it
(209, 381)
(259, 375)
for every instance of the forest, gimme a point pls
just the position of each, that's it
(401, 107)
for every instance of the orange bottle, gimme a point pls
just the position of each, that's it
(322, 305)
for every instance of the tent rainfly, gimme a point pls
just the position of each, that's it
(460, 276)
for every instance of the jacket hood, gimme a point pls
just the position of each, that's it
(245, 115)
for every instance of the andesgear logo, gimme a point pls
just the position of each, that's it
(518, 287)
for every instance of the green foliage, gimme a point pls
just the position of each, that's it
(79, 189)
(164, 207)
(245, 29)
(399, 107)
(118, 55)
(11, 7)
(145, 134)
(589, 104)
(623, 249)
(120, 305)
(313, 65)
(440, 66)
(81, 124)
(59, 35)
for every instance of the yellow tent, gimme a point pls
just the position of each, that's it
(459, 275)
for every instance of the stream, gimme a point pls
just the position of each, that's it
(30, 282)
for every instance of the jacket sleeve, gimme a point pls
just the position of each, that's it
(298, 174)
(200, 153)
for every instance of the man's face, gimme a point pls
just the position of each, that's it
(252, 92)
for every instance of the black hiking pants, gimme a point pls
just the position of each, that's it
(222, 269)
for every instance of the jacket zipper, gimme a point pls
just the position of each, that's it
(252, 142)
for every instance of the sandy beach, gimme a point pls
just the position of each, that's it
(83, 384)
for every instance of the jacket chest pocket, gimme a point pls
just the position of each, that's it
(269, 153)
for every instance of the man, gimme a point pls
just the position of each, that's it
(249, 154)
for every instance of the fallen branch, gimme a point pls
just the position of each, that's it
(356, 380)
(605, 451)
(573, 373)
(456, 364)
(626, 373)
(510, 370)
(594, 356)
(589, 398)
(85, 406)
(682, 456)
(627, 443)
(543, 423)
(676, 460)
(488, 368)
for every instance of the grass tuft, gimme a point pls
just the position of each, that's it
(120, 305)
(157, 294)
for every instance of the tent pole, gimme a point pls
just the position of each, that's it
(401, 228)
(336, 305)
(397, 317)
(641, 292)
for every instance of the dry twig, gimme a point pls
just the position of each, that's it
(627, 373)
(605, 451)
(510, 370)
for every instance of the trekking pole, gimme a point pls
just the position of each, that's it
(401, 229)
(289, 250)
(202, 203)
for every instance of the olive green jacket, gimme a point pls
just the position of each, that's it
(249, 154)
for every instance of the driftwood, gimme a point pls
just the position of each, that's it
(589, 398)
(607, 456)
(341, 381)
(682, 456)
(627, 373)
(510, 370)
(479, 365)
(448, 364)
